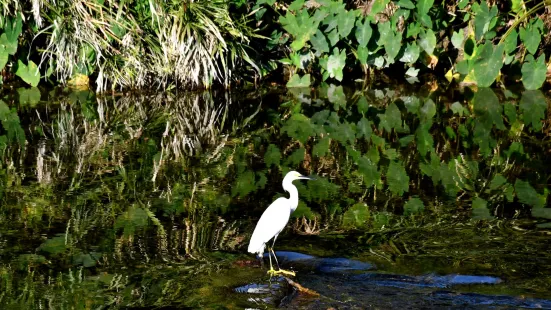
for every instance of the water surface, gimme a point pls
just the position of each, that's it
(423, 198)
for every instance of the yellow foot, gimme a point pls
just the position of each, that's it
(273, 272)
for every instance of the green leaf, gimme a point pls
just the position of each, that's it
(427, 41)
(336, 63)
(12, 30)
(542, 213)
(533, 106)
(457, 39)
(297, 81)
(483, 19)
(406, 4)
(29, 96)
(295, 158)
(272, 156)
(424, 139)
(424, 6)
(298, 126)
(356, 216)
(497, 182)
(487, 64)
(55, 245)
(480, 209)
(412, 72)
(345, 22)
(459, 109)
(531, 38)
(29, 74)
(391, 119)
(369, 171)
(413, 206)
(322, 147)
(527, 194)
(301, 26)
(377, 7)
(303, 211)
(363, 106)
(511, 42)
(397, 178)
(362, 54)
(296, 5)
(319, 43)
(363, 33)
(533, 72)
(364, 128)
(3, 57)
(333, 37)
(411, 54)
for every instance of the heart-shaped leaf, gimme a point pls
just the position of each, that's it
(297, 81)
(363, 33)
(533, 72)
(29, 74)
(335, 64)
(427, 41)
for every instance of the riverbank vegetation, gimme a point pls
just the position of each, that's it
(196, 44)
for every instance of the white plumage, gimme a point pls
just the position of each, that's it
(271, 223)
(276, 216)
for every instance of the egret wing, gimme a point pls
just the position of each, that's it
(271, 223)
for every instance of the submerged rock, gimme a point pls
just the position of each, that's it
(350, 284)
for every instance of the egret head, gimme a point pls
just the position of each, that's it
(293, 175)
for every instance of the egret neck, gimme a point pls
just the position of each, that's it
(289, 187)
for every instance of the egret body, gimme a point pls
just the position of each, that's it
(274, 219)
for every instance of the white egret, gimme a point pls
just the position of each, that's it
(274, 219)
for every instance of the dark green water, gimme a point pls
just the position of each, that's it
(148, 201)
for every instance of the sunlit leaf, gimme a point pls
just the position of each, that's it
(319, 42)
(483, 18)
(427, 41)
(336, 63)
(424, 6)
(487, 63)
(378, 6)
(411, 54)
(345, 22)
(29, 74)
(457, 39)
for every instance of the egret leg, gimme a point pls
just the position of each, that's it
(282, 271)
(271, 272)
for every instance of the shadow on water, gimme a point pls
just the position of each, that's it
(148, 201)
